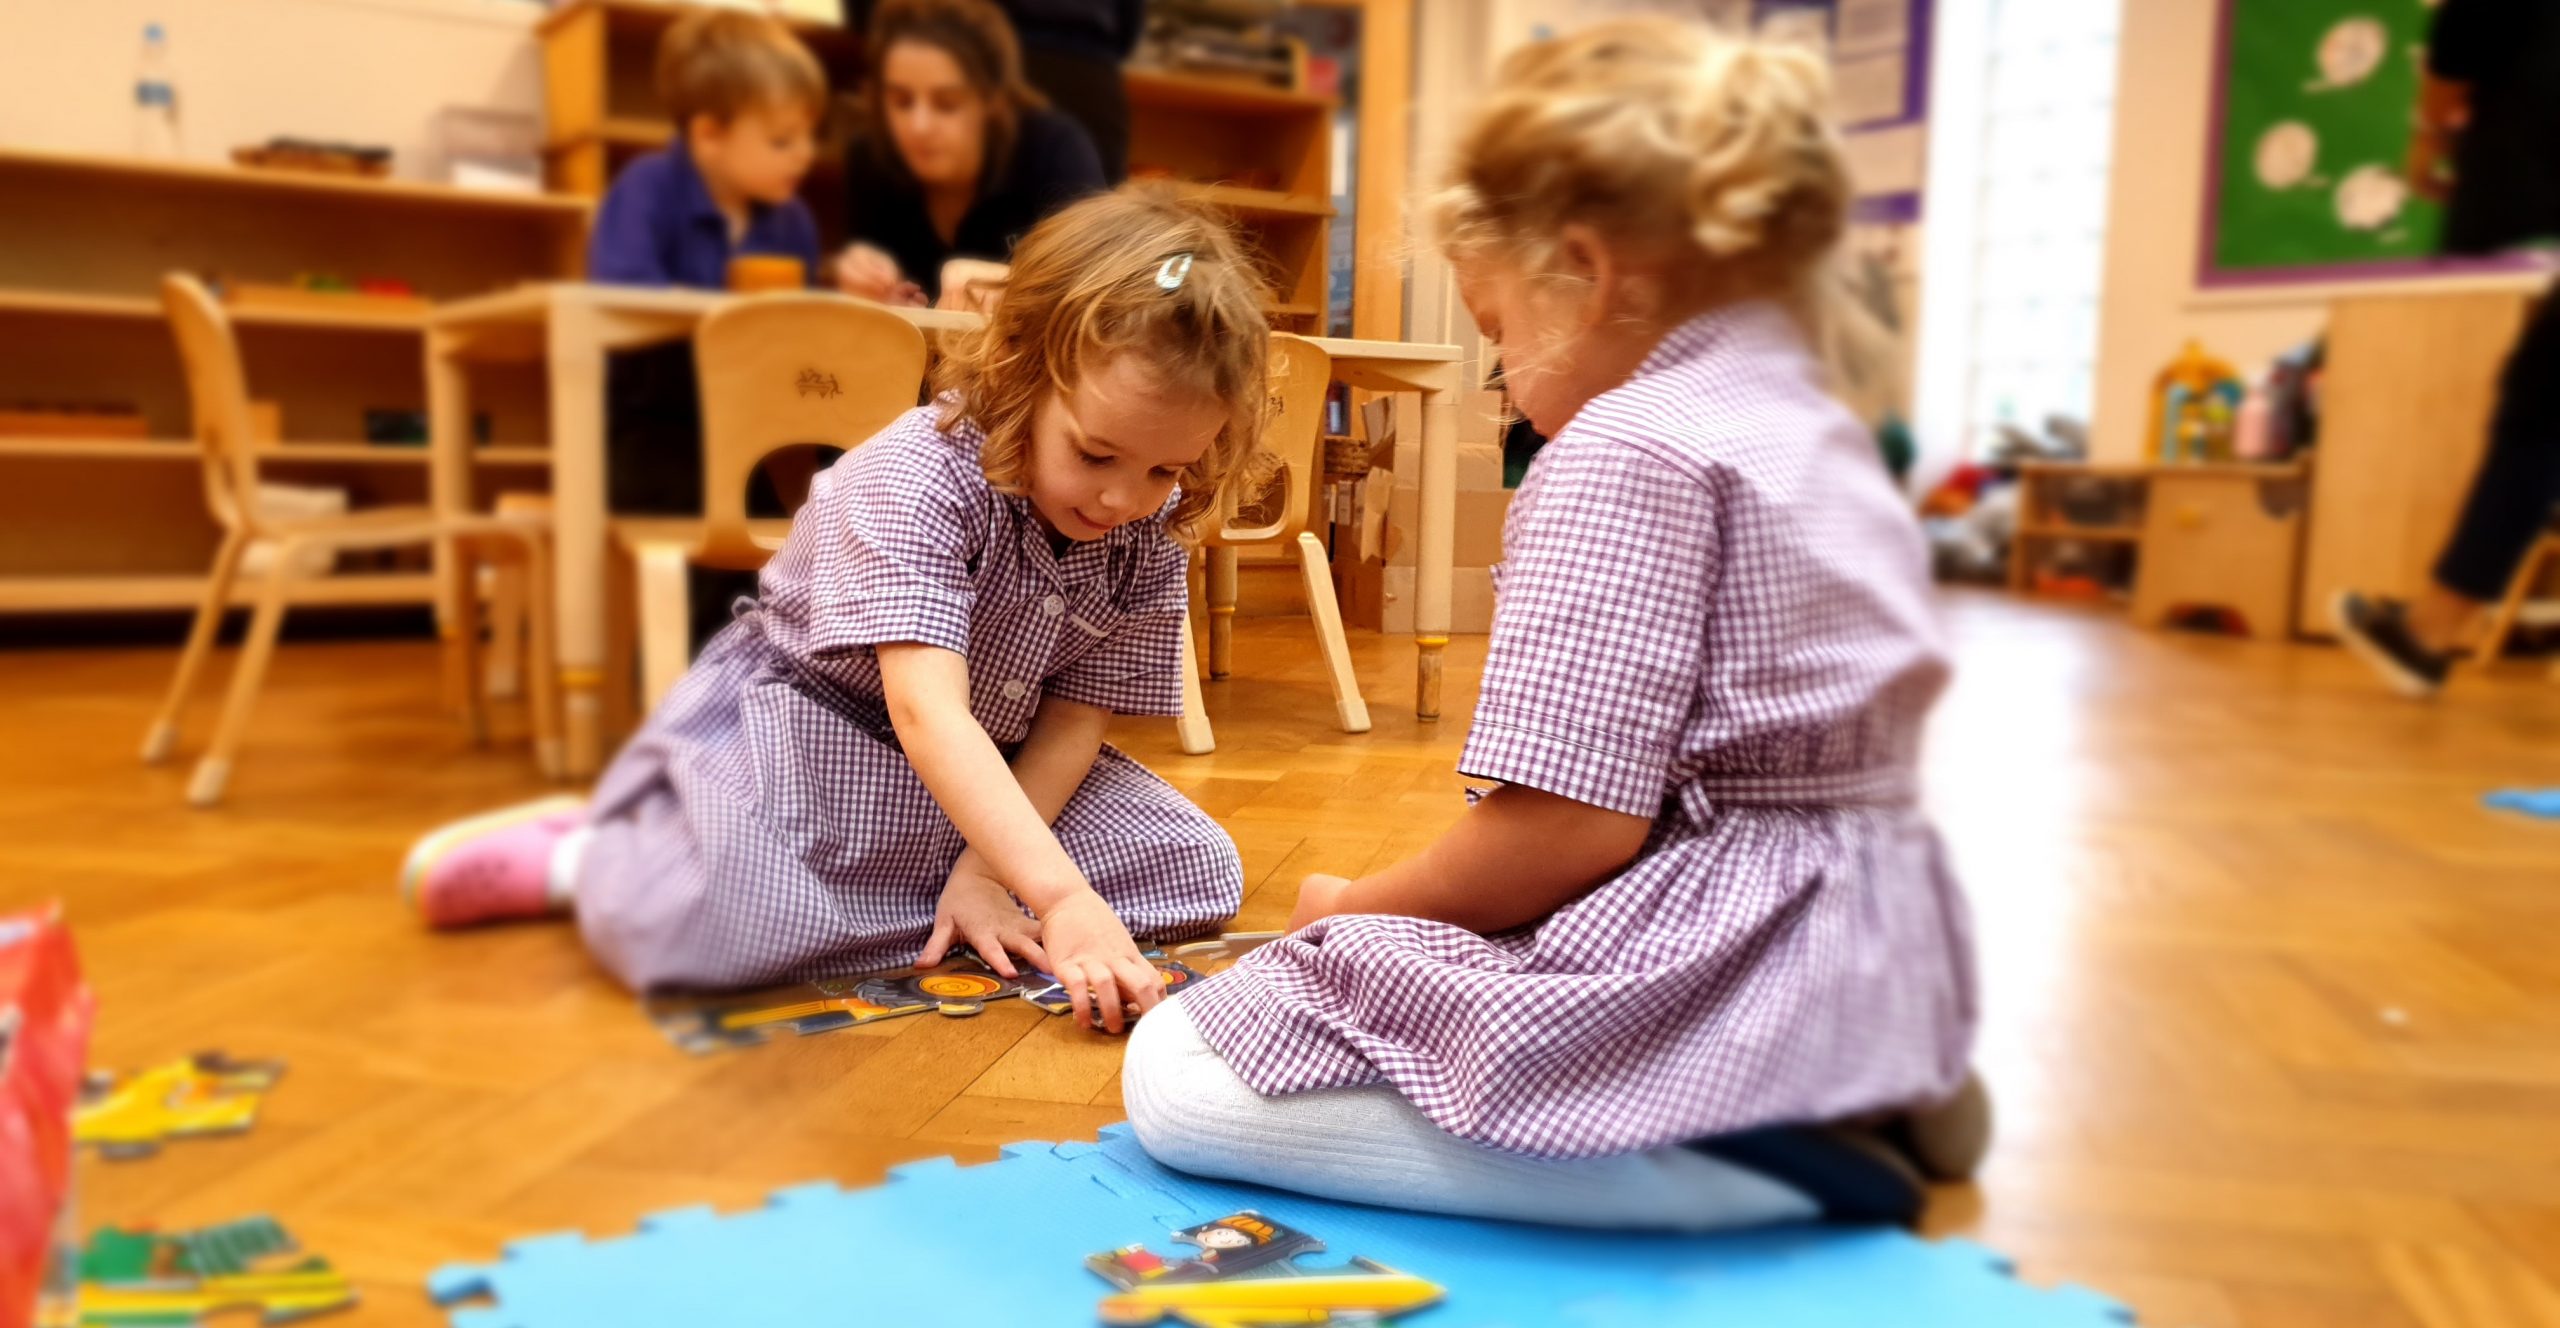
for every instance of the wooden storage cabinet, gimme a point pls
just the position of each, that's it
(89, 524)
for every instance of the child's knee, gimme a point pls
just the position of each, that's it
(1170, 1081)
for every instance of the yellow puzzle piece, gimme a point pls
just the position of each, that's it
(207, 1093)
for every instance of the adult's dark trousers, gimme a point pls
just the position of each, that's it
(2518, 483)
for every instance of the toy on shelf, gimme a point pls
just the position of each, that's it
(303, 154)
(2195, 408)
(192, 1097)
(139, 1276)
(72, 419)
(702, 1023)
(321, 292)
(1246, 1275)
(45, 1011)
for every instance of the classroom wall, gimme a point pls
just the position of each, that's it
(2156, 201)
(366, 71)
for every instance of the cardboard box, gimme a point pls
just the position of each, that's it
(1470, 601)
(1478, 539)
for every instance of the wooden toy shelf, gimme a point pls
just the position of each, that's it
(118, 524)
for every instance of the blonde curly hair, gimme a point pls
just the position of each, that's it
(1135, 271)
(1713, 151)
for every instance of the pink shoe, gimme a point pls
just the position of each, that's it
(489, 867)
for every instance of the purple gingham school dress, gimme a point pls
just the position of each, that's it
(764, 826)
(1714, 612)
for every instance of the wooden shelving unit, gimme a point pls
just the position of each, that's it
(112, 525)
(1261, 155)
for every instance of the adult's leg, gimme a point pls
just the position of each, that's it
(2513, 493)
(1369, 1145)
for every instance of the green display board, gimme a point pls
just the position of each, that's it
(2314, 101)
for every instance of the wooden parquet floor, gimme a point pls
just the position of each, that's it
(2273, 1005)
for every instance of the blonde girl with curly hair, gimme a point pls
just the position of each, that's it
(898, 748)
(1696, 961)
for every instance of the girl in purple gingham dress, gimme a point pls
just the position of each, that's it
(898, 747)
(1698, 960)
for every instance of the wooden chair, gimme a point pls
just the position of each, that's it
(778, 371)
(218, 391)
(2528, 578)
(1294, 437)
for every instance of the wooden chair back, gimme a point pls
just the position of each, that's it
(783, 370)
(1293, 437)
(218, 395)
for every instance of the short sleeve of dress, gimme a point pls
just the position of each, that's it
(1599, 628)
(1137, 670)
(899, 524)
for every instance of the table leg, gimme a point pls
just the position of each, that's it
(1222, 609)
(1437, 536)
(576, 353)
(449, 494)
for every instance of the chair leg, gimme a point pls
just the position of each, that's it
(1192, 728)
(465, 650)
(1222, 609)
(620, 692)
(665, 621)
(2519, 589)
(213, 772)
(542, 663)
(507, 600)
(163, 737)
(1347, 705)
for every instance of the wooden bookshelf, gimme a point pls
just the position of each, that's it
(116, 525)
(1263, 156)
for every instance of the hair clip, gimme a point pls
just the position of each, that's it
(1175, 270)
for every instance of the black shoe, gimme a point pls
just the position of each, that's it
(2378, 631)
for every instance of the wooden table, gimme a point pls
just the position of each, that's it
(572, 326)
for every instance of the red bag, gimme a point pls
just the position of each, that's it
(44, 1043)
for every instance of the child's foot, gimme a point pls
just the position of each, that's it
(492, 866)
(2378, 632)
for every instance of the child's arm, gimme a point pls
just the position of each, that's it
(623, 247)
(1090, 953)
(1515, 857)
(976, 907)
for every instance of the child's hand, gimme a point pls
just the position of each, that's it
(1319, 896)
(868, 273)
(978, 910)
(1097, 964)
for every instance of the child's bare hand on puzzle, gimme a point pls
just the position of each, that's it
(977, 909)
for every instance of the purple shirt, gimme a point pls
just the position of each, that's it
(659, 227)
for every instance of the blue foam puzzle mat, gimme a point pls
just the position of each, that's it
(2532, 802)
(1006, 1242)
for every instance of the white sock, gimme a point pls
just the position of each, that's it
(566, 857)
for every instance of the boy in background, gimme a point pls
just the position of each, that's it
(747, 98)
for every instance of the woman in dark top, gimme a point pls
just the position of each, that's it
(960, 156)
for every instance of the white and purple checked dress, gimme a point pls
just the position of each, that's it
(1714, 613)
(764, 825)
